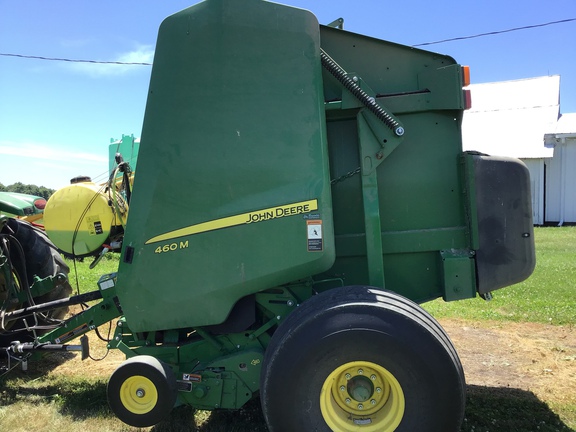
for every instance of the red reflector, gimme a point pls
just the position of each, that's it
(467, 99)
(465, 76)
(40, 203)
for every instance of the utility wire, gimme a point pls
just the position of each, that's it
(74, 60)
(496, 32)
(417, 45)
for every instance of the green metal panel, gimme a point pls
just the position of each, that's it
(233, 190)
(18, 204)
(128, 147)
(417, 179)
(459, 275)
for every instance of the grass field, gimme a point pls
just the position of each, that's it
(548, 296)
(76, 400)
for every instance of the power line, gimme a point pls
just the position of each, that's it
(74, 60)
(417, 45)
(496, 32)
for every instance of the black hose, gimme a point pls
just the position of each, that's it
(77, 299)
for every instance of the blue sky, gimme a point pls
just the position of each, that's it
(57, 118)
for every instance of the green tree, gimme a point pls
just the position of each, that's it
(29, 189)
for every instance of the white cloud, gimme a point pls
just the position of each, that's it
(142, 54)
(46, 152)
(47, 165)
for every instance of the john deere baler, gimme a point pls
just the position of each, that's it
(300, 190)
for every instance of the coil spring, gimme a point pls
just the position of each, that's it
(369, 102)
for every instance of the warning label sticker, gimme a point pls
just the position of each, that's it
(94, 225)
(315, 243)
(192, 377)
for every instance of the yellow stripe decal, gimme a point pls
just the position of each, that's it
(241, 219)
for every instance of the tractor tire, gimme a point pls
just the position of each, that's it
(142, 391)
(361, 359)
(40, 258)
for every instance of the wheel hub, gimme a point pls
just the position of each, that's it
(138, 394)
(362, 394)
(360, 388)
(361, 391)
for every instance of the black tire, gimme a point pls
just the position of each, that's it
(142, 391)
(38, 257)
(346, 334)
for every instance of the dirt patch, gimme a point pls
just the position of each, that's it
(100, 365)
(535, 357)
(497, 357)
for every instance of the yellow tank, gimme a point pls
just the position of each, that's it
(83, 216)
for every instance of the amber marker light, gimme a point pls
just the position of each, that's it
(465, 83)
(465, 76)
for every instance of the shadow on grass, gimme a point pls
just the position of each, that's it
(249, 418)
(77, 398)
(501, 409)
(488, 409)
(48, 361)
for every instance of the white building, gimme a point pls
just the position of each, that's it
(560, 187)
(512, 118)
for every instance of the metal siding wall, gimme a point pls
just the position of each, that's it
(561, 184)
(536, 168)
(569, 171)
(553, 182)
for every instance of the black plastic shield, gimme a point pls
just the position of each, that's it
(505, 229)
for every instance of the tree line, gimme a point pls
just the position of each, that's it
(29, 189)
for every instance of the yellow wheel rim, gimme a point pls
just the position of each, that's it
(138, 395)
(362, 396)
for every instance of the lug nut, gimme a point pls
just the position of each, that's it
(360, 371)
(348, 376)
(373, 401)
(342, 388)
(348, 400)
(373, 377)
(360, 406)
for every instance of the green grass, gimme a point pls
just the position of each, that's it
(548, 296)
(83, 279)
